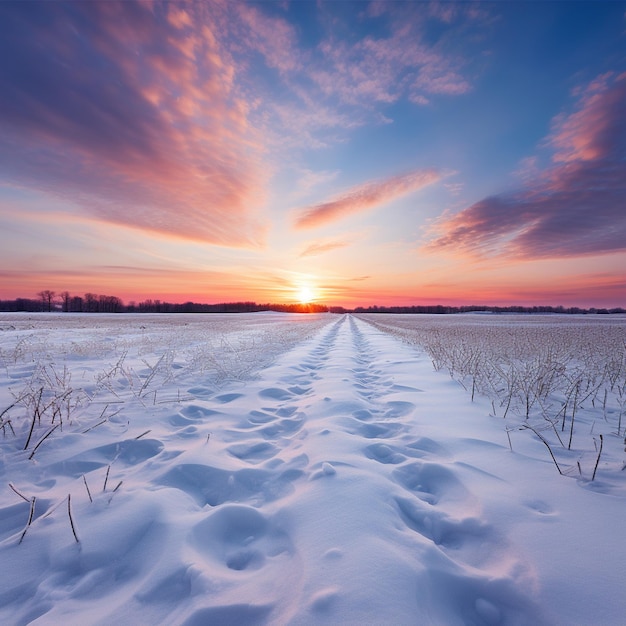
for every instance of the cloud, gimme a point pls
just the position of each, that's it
(385, 69)
(597, 128)
(133, 112)
(171, 117)
(574, 207)
(418, 51)
(272, 37)
(307, 180)
(365, 196)
(337, 76)
(320, 247)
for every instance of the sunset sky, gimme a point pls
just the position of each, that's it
(371, 152)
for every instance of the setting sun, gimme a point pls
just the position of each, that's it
(305, 295)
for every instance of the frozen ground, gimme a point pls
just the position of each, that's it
(272, 469)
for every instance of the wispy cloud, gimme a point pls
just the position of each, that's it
(320, 247)
(272, 37)
(364, 197)
(386, 68)
(309, 180)
(352, 74)
(575, 207)
(168, 116)
(158, 138)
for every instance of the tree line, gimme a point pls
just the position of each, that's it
(442, 310)
(49, 301)
(65, 302)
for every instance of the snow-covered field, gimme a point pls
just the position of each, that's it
(312, 469)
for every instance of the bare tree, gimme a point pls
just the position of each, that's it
(66, 298)
(76, 304)
(91, 303)
(47, 299)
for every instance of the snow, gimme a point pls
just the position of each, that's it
(282, 469)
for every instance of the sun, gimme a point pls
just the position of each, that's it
(305, 295)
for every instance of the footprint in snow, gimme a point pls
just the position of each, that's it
(399, 409)
(424, 446)
(282, 428)
(466, 597)
(431, 482)
(253, 452)
(230, 615)
(275, 393)
(226, 398)
(240, 538)
(197, 412)
(363, 414)
(299, 391)
(286, 411)
(128, 452)
(372, 430)
(436, 525)
(213, 486)
(383, 453)
(541, 507)
(260, 417)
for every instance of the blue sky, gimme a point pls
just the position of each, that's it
(374, 152)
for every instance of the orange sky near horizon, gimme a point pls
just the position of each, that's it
(531, 283)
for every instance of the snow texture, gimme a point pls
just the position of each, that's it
(272, 469)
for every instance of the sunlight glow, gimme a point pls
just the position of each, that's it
(306, 295)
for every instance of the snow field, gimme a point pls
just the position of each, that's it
(561, 378)
(347, 483)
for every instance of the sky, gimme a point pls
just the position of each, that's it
(367, 153)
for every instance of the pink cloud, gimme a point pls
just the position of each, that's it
(320, 247)
(310, 179)
(273, 37)
(160, 139)
(173, 133)
(384, 70)
(575, 207)
(402, 63)
(178, 17)
(442, 81)
(589, 132)
(366, 196)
